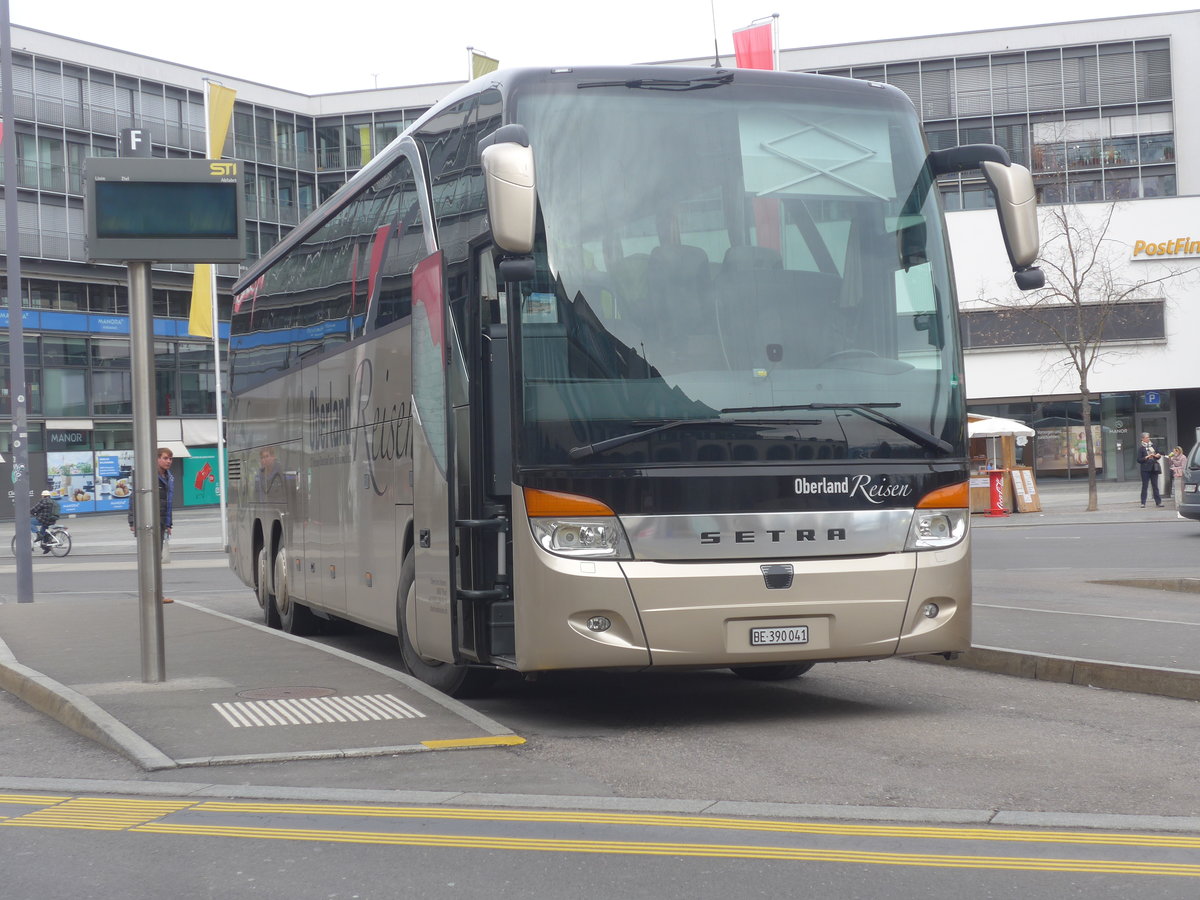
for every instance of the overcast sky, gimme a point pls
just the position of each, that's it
(327, 46)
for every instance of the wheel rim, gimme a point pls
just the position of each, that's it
(279, 580)
(263, 598)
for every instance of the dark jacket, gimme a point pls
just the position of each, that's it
(166, 498)
(45, 511)
(1147, 457)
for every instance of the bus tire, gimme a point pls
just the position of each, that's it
(771, 673)
(262, 589)
(453, 680)
(294, 617)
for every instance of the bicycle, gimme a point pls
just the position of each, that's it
(60, 541)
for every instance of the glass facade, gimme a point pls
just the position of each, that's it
(76, 331)
(1093, 122)
(1117, 419)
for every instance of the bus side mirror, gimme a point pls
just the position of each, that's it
(1016, 202)
(1016, 205)
(511, 186)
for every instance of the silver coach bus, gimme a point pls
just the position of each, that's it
(620, 368)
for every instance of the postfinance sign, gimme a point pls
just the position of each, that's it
(1180, 246)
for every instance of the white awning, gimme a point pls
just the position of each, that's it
(193, 432)
(178, 449)
(993, 426)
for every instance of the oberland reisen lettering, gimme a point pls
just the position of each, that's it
(863, 486)
(381, 433)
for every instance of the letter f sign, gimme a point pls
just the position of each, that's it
(135, 142)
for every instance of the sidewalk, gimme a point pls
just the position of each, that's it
(236, 691)
(1065, 503)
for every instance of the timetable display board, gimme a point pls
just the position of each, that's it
(164, 210)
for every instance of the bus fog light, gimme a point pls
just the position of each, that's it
(599, 623)
(930, 610)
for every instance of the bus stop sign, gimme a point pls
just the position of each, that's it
(164, 210)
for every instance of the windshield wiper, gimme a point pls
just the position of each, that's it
(867, 411)
(665, 84)
(586, 450)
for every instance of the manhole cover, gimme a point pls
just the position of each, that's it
(285, 693)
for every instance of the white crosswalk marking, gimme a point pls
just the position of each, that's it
(316, 710)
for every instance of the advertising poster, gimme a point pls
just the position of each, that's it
(72, 476)
(84, 482)
(199, 484)
(114, 479)
(1064, 448)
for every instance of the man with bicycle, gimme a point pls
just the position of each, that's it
(45, 514)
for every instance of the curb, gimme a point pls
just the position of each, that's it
(77, 712)
(1181, 684)
(650, 805)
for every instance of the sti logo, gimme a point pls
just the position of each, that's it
(219, 169)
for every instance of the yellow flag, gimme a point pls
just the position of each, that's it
(200, 312)
(481, 65)
(364, 144)
(220, 113)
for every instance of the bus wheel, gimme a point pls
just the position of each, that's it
(294, 618)
(455, 680)
(262, 589)
(771, 673)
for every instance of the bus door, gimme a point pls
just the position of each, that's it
(430, 622)
(483, 460)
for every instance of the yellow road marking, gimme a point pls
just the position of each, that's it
(31, 799)
(142, 815)
(101, 814)
(506, 740)
(728, 851)
(938, 832)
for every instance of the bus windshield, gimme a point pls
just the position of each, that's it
(747, 272)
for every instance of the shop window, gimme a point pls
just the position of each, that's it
(64, 392)
(197, 394)
(64, 351)
(112, 354)
(113, 392)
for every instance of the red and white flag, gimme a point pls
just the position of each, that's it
(754, 46)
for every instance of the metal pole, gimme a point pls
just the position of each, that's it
(145, 497)
(16, 331)
(215, 153)
(221, 468)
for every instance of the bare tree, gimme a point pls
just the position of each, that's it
(1090, 288)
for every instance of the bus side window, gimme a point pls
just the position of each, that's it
(405, 246)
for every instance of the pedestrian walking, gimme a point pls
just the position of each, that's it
(166, 498)
(1148, 458)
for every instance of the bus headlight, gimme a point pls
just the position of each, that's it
(600, 538)
(936, 529)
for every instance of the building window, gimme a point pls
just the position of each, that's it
(113, 392)
(983, 328)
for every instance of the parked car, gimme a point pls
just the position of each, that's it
(1188, 502)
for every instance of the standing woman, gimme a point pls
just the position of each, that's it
(1176, 460)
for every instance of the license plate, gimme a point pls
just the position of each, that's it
(793, 634)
